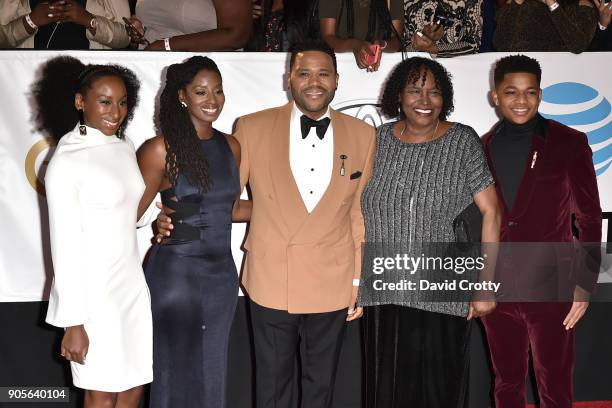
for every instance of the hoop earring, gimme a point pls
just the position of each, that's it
(183, 104)
(82, 127)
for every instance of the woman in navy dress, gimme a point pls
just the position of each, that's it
(192, 275)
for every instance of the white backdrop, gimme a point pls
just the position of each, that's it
(577, 87)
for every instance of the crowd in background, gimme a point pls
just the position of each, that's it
(367, 28)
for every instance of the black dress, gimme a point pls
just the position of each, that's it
(194, 287)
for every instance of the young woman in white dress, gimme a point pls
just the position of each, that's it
(99, 294)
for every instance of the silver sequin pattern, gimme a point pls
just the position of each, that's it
(415, 193)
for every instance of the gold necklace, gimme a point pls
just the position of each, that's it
(426, 140)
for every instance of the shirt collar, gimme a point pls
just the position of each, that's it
(296, 113)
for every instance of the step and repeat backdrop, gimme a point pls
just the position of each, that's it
(577, 92)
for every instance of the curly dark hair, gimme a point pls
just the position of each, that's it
(410, 71)
(513, 64)
(183, 151)
(63, 77)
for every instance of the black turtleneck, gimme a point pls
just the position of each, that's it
(509, 150)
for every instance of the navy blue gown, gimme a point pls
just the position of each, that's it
(194, 287)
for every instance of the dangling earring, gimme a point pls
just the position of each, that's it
(82, 127)
(183, 104)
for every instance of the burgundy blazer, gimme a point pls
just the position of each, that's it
(559, 180)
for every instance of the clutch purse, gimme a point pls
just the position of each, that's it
(468, 225)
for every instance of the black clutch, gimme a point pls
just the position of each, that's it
(468, 225)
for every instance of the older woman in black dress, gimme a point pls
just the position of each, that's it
(427, 170)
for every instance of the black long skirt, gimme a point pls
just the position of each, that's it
(415, 358)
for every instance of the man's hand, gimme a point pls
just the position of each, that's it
(75, 344)
(354, 312)
(579, 307)
(163, 223)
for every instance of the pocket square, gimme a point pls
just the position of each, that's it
(355, 175)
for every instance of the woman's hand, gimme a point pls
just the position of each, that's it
(421, 42)
(257, 10)
(136, 31)
(434, 31)
(42, 15)
(605, 12)
(156, 46)
(75, 344)
(71, 12)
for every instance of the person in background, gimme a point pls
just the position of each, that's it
(489, 11)
(356, 25)
(193, 25)
(445, 28)
(545, 25)
(99, 293)
(280, 24)
(64, 24)
(603, 36)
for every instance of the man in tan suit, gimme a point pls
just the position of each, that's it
(306, 166)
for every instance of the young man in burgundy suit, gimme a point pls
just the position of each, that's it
(544, 173)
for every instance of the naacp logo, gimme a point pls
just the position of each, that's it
(585, 109)
(35, 163)
(364, 109)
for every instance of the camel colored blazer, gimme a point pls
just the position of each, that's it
(296, 261)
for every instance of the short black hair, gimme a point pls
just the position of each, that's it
(312, 45)
(60, 79)
(410, 71)
(513, 64)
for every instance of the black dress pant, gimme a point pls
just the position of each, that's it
(277, 335)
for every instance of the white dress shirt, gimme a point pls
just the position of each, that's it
(311, 159)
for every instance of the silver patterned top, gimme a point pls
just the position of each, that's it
(415, 192)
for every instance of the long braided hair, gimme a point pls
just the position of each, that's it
(379, 19)
(60, 79)
(183, 151)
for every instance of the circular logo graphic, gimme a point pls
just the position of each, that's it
(36, 163)
(364, 109)
(585, 109)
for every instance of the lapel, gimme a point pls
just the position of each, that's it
(533, 164)
(292, 208)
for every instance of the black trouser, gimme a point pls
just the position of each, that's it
(276, 335)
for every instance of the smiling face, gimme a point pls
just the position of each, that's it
(518, 97)
(204, 97)
(422, 102)
(104, 104)
(313, 81)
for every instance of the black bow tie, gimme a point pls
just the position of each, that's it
(321, 126)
